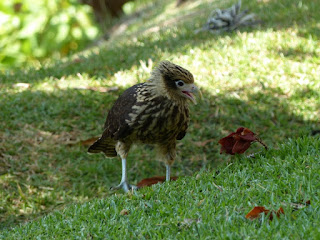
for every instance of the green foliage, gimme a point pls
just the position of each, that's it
(32, 30)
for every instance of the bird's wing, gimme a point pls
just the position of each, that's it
(116, 126)
(183, 132)
(181, 135)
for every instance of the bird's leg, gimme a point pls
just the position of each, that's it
(167, 154)
(168, 171)
(124, 179)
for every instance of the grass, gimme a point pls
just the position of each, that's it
(206, 206)
(264, 78)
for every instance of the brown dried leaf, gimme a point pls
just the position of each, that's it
(89, 141)
(153, 180)
(256, 211)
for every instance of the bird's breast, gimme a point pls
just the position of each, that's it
(158, 121)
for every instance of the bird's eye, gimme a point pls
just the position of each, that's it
(179, 83)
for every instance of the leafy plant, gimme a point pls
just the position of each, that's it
(32, 30)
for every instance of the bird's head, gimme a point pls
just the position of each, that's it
(175, 81)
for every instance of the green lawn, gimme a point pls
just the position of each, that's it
(209, 205)
(265, 78)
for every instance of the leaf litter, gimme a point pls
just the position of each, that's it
(239, 141)
(257, 211)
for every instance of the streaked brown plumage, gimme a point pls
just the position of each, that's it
(155, 112)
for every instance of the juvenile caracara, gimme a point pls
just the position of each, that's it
(155, 112)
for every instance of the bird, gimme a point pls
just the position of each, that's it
(155, 112)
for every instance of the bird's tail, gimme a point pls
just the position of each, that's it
(105, 145)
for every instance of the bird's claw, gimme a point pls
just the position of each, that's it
(125, 186)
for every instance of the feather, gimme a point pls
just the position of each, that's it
(107, 146)
(155, 112)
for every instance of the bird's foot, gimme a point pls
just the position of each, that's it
(125, 186)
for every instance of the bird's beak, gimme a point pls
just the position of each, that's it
(190, 92)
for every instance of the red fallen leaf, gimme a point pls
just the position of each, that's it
(256, 211)
(239, 141)
(153, 180)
